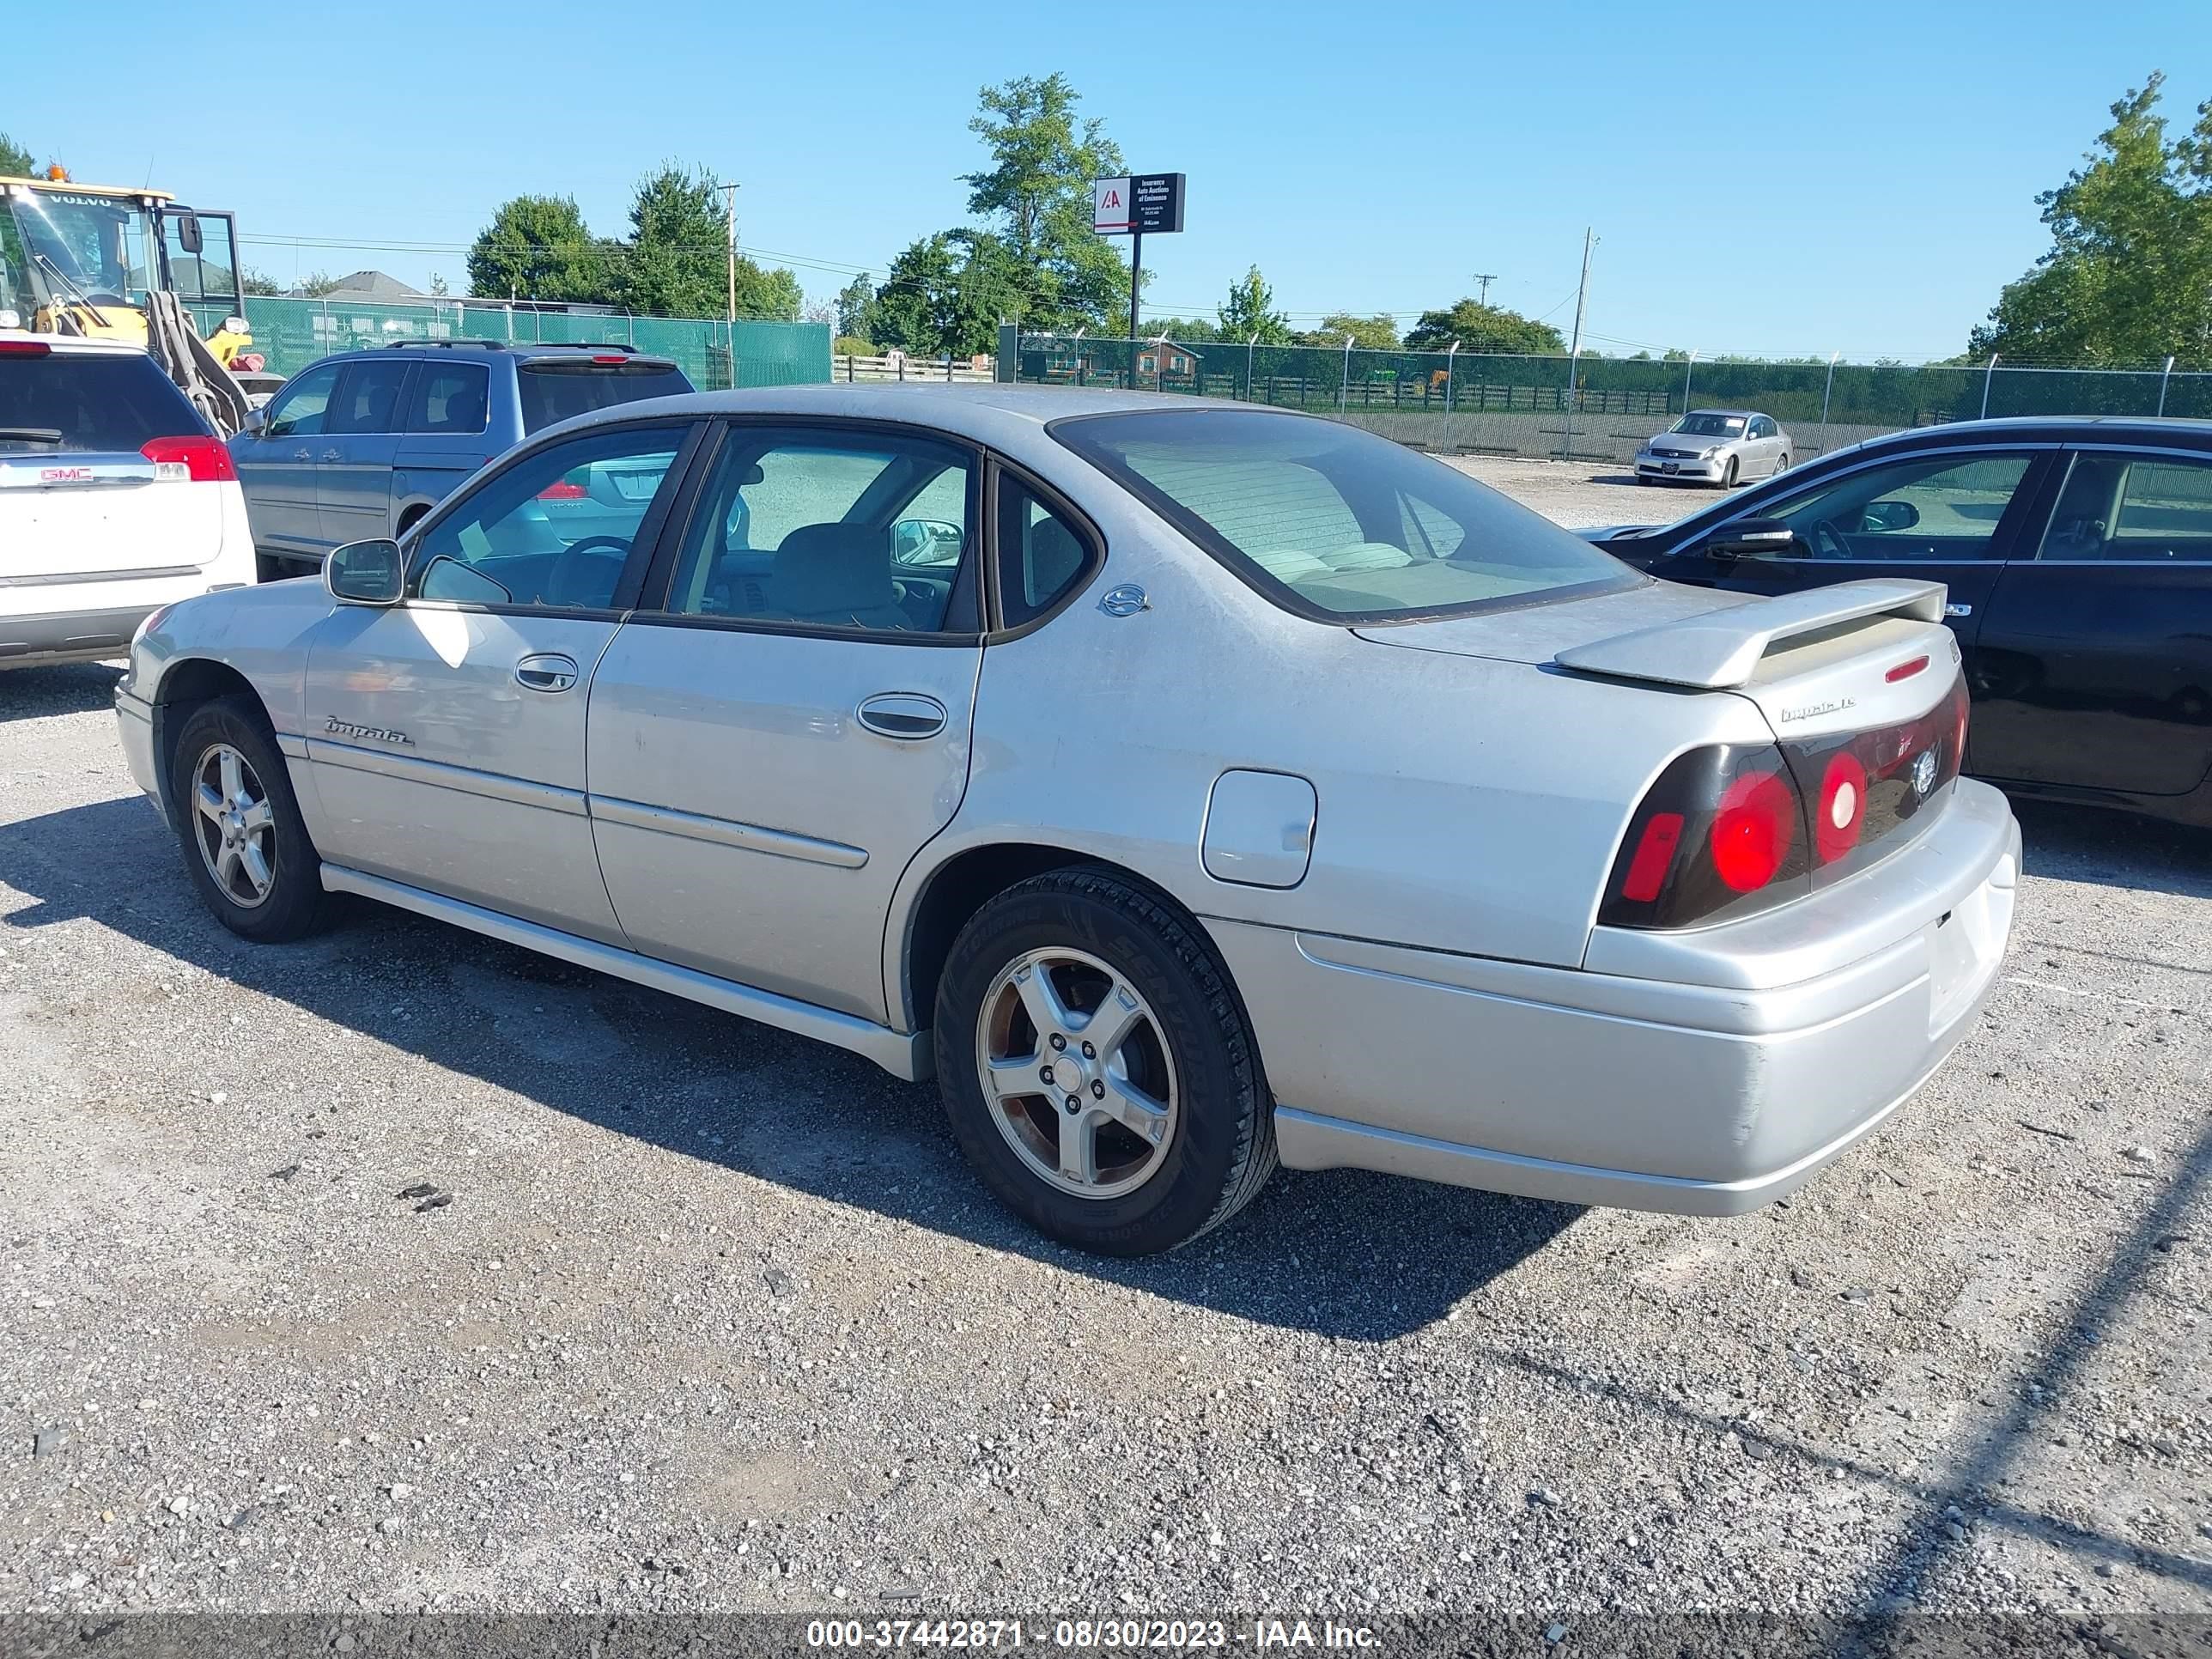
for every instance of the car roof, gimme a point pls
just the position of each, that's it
(2049, 429)
(978, 412)
(73, 344)
(1731, 414)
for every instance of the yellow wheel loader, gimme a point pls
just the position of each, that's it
(132, 265)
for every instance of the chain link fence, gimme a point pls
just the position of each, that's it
(1527, 405)
(716, 355)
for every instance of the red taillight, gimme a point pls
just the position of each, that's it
(563, 490)
(204, 460)
(1753, 830)
(1905, 670)
(25, 349)
(617, 361)
(1718, 833)
(1654, 857)
(1840, 812)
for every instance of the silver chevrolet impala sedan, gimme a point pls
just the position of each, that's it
(1189, 786)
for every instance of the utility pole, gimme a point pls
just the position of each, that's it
(1486, 277)
(730, 220)
(1582, 294)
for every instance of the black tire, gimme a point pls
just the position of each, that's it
(1782, 464)
(1728, 480)
(1221, 1148)
(296, 904)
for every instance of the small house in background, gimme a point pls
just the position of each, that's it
(371, 288)
(1166, 357)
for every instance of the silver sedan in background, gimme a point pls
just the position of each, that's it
(1188, 785)
(1724, 446)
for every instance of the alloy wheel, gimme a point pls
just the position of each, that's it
(235, 825)
(1077, 1073)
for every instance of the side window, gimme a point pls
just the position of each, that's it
(449, 398)
(297, 411)
(868, 529)
(554, 529)
(2134, 508)
(1041, 554)
(1934, 506)
(1761, 427)
(368, 398)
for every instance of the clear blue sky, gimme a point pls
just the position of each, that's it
(1854, 178)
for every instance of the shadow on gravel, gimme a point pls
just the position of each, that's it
(1341, 1254)
(75, 689)
(2115, 850)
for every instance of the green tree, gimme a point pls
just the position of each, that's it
(2129, 275)
(538, 247)
(1035, 198)
(677, 261)
(1191, 331)
(315, 284)
(1250, 311)
(856, 308)
(13, 158)
(1376, 333)
(946, 293)
(251, 281)
(1479, 327)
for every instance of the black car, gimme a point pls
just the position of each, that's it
(2078, 555)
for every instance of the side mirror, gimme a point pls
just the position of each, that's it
(926, 541)
(256, 421)
(1890, 516)
(1751, 538)
(365, 572)
(189, 237)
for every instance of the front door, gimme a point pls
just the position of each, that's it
(2096, 664)
(446, 733)
(1947, 517)
(360, 441)
(771, 745)
(278, 465)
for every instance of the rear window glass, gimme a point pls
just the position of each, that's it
(1333, 522)
(103, 401)
(553, 391)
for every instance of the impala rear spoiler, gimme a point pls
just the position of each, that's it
(1717, 649)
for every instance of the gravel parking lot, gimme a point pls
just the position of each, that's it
(715, 1318)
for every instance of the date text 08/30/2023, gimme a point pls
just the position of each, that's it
(1104, 1634)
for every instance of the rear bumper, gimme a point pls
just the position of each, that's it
(1640, 1092)
(70, 635)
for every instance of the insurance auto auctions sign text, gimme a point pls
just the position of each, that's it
(1142, 203)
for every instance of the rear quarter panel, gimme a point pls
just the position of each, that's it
(1464, 803)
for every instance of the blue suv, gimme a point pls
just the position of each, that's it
(363, 444)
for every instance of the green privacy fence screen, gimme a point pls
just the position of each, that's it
(292, 333)
(1524, 404)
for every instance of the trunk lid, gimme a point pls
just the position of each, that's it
(67, 514)
(1815, 662)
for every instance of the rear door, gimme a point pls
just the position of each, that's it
(444, 436)
(360, 439)
(772, 739)
(2095, 670)
(1948, 516)
(79, 499)
(278, 466)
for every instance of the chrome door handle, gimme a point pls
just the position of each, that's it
(907, 715)
(547, 671)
